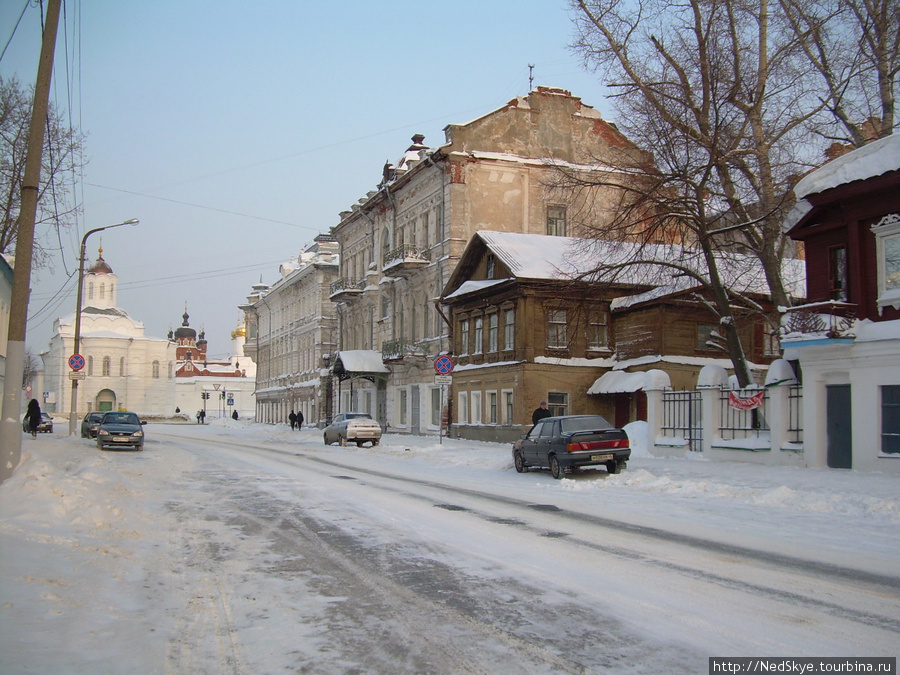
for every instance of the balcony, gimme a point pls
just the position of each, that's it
(405, 260)
(833, 320)
(397, 350)
(345, 290)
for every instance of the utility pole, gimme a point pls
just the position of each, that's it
(10, 429)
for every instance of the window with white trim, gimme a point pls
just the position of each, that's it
(887, 251)
(476, 408)
(478, 337)
(436, 406)
(508, 407)
(463, 407)
(493, 408)
(464, 336)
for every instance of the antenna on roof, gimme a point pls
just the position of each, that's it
(530, 76)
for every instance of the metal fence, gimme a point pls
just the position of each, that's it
(738, 423)
(682, 417)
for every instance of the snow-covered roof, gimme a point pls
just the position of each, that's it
(472, 286)
(618, 381)
(544, 257)
(362, 361)
(868, 161)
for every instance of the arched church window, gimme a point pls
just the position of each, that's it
(102, 291)
(122, 367)
(90, 365)
(156, 370)
(169, 370)
(91, 291)
(106, 364)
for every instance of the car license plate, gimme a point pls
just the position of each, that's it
(601, 458)
(121, 439)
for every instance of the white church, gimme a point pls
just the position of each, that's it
(124, 368)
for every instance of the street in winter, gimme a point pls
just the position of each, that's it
(246, 548)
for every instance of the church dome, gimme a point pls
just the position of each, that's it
(100, 266)
(185, 331)
(240, 331)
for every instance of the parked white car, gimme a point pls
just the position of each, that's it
(353, 427)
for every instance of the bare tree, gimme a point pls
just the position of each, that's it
(723, 96)
(854, 46)
(62, 160)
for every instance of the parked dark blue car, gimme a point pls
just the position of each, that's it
(572, 441)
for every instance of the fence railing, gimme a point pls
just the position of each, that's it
(739, 422)
(682, 417)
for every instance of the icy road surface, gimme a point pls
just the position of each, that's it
(246, 549)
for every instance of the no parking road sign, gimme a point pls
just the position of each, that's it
(76, 362)
(443, 365)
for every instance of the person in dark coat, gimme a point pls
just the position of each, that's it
(292, 418)
(34, 416)
(299, 419)
(540, 413)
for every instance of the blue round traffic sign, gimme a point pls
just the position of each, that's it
(443, 365)
(76, 362)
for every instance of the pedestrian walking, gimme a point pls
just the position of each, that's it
(34, 416)
(202, 417)
(540, 413)
(292, 418)
(299, 419)
(234, 415)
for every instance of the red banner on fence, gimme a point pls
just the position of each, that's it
(748, 403)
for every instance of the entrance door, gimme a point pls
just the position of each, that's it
(623, 410)
(838, 427)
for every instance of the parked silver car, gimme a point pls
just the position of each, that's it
(353, 427)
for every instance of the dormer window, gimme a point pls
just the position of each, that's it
(887, 252)
(491, 265)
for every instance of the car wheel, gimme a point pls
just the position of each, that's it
(342, 441)
(325, 438)
(555, 469)
(359, 444)
(519, 461)
(614, 467)
(374, 443)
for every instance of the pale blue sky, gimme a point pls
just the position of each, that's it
(275, 115)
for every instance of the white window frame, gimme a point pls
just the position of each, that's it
(478, 335)
(463, 407)
(507, 400)
(493, 407)
(436, 405)
(476, 408)
(887, 235)
(464, 337)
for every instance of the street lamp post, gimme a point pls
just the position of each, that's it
(73, 412)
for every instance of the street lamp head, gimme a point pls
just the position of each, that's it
(133, 221)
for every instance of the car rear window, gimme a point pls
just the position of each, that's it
(584, 423)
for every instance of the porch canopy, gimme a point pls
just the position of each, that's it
(365, 363)
(620, 382)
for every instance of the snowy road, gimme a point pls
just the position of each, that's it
(278, 554)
